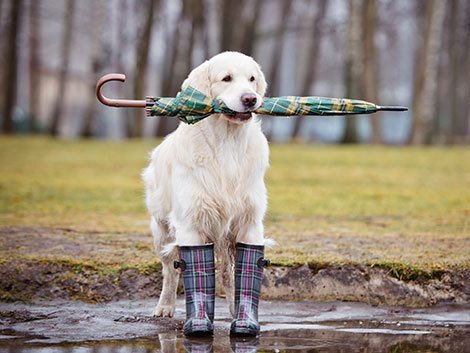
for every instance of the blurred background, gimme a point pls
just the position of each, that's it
(404, 52)
(341, 190)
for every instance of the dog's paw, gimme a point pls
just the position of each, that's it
(164, 310)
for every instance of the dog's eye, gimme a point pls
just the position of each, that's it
(227, 78)
(252, 78)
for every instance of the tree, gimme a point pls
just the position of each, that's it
(66, 46)
(370, 64)
(143, 48)
(171, 58)
(180, 61)
(459, 88)
(34, 64)
(11, 66)
(238, 24)
(427, 72)
(231, 16)
(278, 48)
(312, 59)
(248, 37)
(353, 66)
(463, 115)
(98, 53)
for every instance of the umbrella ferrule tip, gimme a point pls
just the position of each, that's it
(392, 108)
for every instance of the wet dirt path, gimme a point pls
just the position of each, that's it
(127, 326)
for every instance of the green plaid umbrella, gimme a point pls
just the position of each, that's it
(191, 106)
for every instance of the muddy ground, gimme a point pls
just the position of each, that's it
(55, 299)
(29, 280)
(286, 326)
(46, 263)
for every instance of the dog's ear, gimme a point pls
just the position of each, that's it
(261, 84)
(199, 79)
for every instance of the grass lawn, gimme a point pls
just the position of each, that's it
(401, 207)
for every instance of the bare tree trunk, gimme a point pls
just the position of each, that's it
(122, 43)
(34, 64)
(170, 73)
(143, 49)
(459, 89)
(2, 61)
(169, 84)
(231, 15)
(427, 71)
(449, 74)
(353, 66)
(273, 75)
(465, 112)
(194, 14)
(64, 67)
(11, 67)
(278, 48)
(312, 60)
(96, 65)
(370, 65)
(248, 39)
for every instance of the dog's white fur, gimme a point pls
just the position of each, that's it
(205, 182)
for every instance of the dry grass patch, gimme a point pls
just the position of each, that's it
(396, 207)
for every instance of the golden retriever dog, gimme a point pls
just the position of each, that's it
(205, 182)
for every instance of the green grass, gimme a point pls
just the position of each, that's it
(406, 209)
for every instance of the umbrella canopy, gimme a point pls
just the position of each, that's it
(191, 106)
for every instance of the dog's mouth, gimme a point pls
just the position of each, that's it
(240, 116)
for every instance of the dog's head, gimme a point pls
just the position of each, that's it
(234, 78)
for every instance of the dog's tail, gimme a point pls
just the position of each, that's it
(170, 250)
(269, 243)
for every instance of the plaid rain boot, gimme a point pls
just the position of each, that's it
(197, 266)
(249, 263)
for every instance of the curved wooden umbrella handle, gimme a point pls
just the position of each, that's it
(116, 102)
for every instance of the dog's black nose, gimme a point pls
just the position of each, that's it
(248, 99)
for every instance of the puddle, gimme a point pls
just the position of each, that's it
(302, 340)
(127, 326)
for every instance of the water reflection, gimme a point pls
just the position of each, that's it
(198, 345)
(169, 342)
(244, 345)
(325, 341)
(172, 343)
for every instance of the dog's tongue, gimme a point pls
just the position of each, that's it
(242, 116)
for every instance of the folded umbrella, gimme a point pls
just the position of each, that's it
(191, 105)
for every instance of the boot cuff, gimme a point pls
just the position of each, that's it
(250, 246)
(197, 247)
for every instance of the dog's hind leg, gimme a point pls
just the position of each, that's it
(166, 303)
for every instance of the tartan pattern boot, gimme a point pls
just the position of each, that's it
(249, 263)
(197, 266)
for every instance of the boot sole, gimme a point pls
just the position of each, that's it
(201, 333)
(244, 332)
